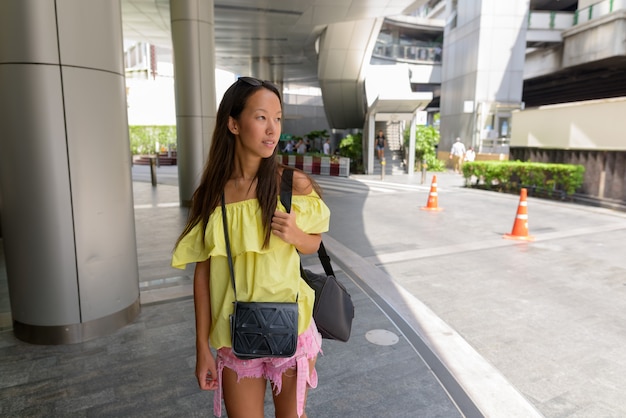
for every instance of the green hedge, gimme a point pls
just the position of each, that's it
(514, 175)
(143, 139)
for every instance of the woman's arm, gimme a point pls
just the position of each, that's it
(284, 224)
(206, 371)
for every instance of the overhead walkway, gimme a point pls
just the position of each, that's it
(567, 62)
(350, 51)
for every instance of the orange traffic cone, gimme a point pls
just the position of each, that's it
(520, 226)
(432, 204)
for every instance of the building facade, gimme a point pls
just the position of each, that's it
(538, 80)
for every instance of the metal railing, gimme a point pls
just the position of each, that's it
(553, 20)
(541, 20)
(408, 53)
(597, 10)
(494, 145)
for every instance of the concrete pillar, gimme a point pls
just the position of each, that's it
(193, 41)
(411, 157)
(65, 177)
(485, 48)
(262, 69)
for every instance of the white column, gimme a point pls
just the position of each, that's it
(65, 176)
(261, 69)
(193, 40)
(490, 41)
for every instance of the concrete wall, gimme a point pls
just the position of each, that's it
(592, 125)
(585, 3)
(595, 40)
(605, 171)
(425, 73)
(589, 133)
(543, 62)
(302, 119)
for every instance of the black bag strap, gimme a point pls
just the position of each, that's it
(286, 193)
(325, 259)
(230, 257)
(286, 184)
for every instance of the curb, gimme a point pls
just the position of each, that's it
(473, 383)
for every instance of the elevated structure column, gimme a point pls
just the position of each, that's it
(65, 180)
(193, 42)
(483, 63)
(345, 50)
(261, 68)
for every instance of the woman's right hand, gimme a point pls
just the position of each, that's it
(206, 370)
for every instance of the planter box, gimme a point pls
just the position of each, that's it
(299, 162)
(317, 165)
(325, 167)
(307, 165)
(291, 160)
(344, 167)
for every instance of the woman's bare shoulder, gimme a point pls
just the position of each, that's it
(302, 184)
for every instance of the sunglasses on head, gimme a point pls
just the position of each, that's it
(255, 82)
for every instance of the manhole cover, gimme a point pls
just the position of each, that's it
(381, 337)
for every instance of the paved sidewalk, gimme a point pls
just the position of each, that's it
(548, 314)
(146, 368)
(484, 326)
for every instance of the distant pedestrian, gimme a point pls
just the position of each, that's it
(381, 143)
(301, 147)
(470, 155)
(457, 153)
(327, 147)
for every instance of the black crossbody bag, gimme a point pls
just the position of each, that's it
(260, 329)
(333, 310)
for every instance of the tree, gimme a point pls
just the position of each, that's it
(351, 147)
(144, 139)
(426, 141)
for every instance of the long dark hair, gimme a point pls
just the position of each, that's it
(221, 162)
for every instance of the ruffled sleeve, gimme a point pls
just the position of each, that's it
(190, 249)
(313, 216)
(245, 230)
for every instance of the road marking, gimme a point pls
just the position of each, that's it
(484, 245)
(365, 186)
(158, 205)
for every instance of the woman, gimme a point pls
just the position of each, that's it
(265, 241)
(381, 142)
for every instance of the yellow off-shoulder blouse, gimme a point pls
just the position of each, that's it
(270, 274)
